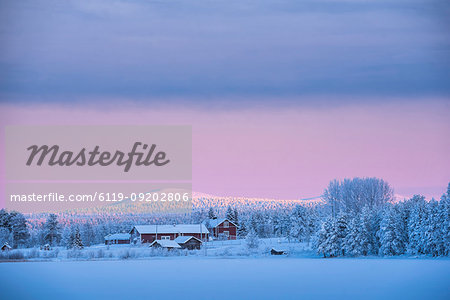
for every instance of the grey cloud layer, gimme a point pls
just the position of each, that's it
(246, 47)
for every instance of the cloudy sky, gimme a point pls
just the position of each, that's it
(192, 48)
(283, 95)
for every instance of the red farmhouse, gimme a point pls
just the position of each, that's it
(222, 228)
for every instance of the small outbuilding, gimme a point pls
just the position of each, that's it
(117, 238)
(6, 247)
(168, 244)
(189, 242)
(277, 252)
(46, 247)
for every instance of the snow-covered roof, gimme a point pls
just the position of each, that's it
(278, 250)
(185, 238)
(117, 236)
(166, 243)
(216, 222)
(180, 228)
(6, 245)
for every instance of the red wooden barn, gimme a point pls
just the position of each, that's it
(149, 233)
(222, 228)
(189, 242)
(168, 244)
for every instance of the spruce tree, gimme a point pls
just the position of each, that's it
(392, 242)
(211, 213)
(341, 230)
(67, 237)
(353, 240)
(367, 232)
(433, 236)
(230, 214)
(236, 217)
(299, 224)
(5, 219)
(444, 221)
(76, 242)
(19, 229)
(242, 229)
(334, 242)
(52, 234)
(416, 225)
(327, 242)
(321, 238)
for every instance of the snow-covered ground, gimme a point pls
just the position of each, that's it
(221, 270)
(276, 277)
(233, 248)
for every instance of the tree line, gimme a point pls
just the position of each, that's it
(358, 218)
(414, 227)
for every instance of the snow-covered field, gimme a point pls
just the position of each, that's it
(228, 278)
(224, 270)
(232, 248)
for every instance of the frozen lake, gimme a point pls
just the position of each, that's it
(228, 278)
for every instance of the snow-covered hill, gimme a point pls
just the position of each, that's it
(200, 201)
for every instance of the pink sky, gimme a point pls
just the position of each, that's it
(291, 152)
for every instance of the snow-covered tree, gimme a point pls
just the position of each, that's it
(416, 225)
(242, 229)
(444, 221)
(368, 232)
(299, 228)
(211, 213)
(353, 194)
(252, 240)
(433, 237)
(235, 217)
(320, 239)
(327, 242)
(5, 219)
(5, 236)
(391, 233)
(67, 237)
(199, 216)
(341, 230)
(100, 233)
(19, 229)
(75, 240)
(5, 228)
(260, 224)
(353, 241)
(281, 224)
(52, 231)
(230, 214)
(87, 234)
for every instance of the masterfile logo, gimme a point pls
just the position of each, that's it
(93, 157)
